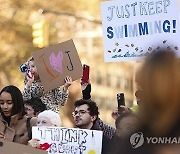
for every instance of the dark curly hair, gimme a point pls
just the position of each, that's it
(93, 108)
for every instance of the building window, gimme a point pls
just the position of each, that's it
(97, 99)
(98, 78)
(108, 80)
(118, 82)
(131, 82)
(108, 103)
(127, 84)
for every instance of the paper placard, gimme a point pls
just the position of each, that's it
(69, 140)
(133, 28)
(56, 62)
(15, 148)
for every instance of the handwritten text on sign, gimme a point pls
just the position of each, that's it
(69, 140)
(131, 27)
(56, 62)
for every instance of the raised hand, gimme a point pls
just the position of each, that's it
(68, 82)
(2, 136)
(34, 143)
(84, 84)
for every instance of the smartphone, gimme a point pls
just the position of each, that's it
(85, 76)
(121, 101)
(29, 74)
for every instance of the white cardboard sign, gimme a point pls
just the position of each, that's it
(69, 140)
(133, 28)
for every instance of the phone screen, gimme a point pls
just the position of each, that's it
(120, 100)
(85, 76)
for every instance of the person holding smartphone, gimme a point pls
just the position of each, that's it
(85, 83)
(34, 88)
(121, 107)
(108, 130)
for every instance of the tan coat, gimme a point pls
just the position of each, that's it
(17, 130)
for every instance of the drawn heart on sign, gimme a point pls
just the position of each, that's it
(56, 61)
(44, 146)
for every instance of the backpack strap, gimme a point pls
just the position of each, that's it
(29, 130)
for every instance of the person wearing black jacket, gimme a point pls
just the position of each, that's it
(85, 116)
(108, 130)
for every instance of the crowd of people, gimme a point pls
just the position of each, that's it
(158, 99)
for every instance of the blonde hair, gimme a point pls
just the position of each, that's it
(31, 59)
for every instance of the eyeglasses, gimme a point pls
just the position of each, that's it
(80, 112)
